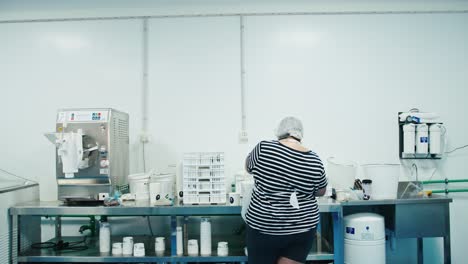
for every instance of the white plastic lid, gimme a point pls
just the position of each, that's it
(409, 127)
(162, 177)
(422, 127)
(435, 127)
(139, 176)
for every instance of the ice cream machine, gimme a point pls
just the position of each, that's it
(92, 153)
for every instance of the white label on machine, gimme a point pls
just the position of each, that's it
(62, 116)
(103, 171)
(367, 236)
(82, 116)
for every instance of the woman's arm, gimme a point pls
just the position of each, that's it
(253, 157)
(322, 184)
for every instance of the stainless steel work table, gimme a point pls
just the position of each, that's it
(411, 218)
(408, 218)
(25, 219)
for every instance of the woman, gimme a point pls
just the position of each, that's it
(283, 213)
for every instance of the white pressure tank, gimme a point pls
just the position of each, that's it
(364, 239)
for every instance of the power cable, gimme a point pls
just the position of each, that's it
(455, 149)
(62, 245)
(149, 225)
(144, 157)
(14, 175)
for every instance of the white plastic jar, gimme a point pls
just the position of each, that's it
(205, 236)
(104, 237)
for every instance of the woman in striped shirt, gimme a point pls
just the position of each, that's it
(283, 213)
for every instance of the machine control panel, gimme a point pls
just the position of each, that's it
(104, 161)
(82, 116)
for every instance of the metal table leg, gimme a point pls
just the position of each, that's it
(420, 250)
(58, 227)
(318, 236)
(173, 235)
(14, 239)
(447, 256)
(338, 237)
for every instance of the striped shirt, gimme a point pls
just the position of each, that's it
(279, 171)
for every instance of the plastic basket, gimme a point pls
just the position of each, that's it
(203, 178)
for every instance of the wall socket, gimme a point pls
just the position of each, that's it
(144, 137)
(243, 136)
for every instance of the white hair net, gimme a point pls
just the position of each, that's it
(290, 126)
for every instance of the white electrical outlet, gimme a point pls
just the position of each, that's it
(243, 136)
(144, 137)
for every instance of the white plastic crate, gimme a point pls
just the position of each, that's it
(203, 178)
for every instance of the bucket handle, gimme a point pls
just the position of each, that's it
(351, 163)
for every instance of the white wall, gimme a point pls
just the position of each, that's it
(194, 94)
(47, 66)
(346, 76)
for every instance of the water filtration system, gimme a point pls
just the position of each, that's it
(421, 135)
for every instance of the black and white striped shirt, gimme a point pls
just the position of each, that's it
(278, 172)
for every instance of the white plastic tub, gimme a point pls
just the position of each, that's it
(139, 185)
(161, 189)
(384, 178)
(342, 173)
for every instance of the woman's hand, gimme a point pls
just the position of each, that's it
(321, 192)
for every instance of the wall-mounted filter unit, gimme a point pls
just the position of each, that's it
(409, 138)
(422, 139)
(435, 139)
(420, 135)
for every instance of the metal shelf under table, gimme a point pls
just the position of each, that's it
(92, 254)
(25, 216)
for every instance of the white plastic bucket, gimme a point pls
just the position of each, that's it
(341, 173)
(247, 189)
(161, 189)
(139, 185)
(384, 178)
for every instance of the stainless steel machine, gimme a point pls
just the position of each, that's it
(92, 153)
